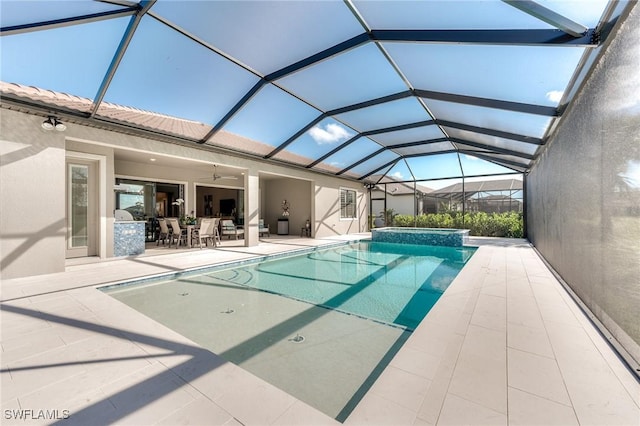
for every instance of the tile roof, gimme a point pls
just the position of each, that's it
(154, 121)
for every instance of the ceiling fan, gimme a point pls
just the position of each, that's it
(216, 176)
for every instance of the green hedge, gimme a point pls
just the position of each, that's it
(508, 224)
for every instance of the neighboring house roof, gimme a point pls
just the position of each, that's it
(401, 188)
(481, 186)
(496, 198)
(404, 188)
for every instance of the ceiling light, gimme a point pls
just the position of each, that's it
(152, 159)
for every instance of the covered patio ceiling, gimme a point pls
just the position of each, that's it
(373, 91)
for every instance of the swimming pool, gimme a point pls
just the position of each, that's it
(345, 312)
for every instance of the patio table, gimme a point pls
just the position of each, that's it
(189, 229)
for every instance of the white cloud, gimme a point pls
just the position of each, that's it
(471, 157)
(397, 175)
(631, 176)
(555, 95)
(332, 133)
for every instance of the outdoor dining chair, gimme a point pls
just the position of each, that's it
(216, 231)
(229, 229)
(205, 232)
(177, 234)
(164, 231)
(263, 228)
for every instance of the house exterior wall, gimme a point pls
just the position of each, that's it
(401, 204)
(583, 206)
(32, 186)
(327, 221)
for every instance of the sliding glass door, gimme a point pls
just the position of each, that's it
(147, 201)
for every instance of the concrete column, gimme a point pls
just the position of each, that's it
(251, 207)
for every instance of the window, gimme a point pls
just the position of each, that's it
(79, 205)
(347, 203)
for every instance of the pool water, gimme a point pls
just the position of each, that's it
(345, 313)
(393, 283)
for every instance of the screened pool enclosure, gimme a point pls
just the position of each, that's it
(373, 93)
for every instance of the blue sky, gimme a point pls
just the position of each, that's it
(166, 72)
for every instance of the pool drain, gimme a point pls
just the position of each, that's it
(228, 311)
(183, 294)
(297, 339)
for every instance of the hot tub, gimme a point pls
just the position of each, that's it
(424, 236)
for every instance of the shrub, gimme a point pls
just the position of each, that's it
(509, 224)
(404, 220)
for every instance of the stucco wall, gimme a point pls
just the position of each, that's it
(32, 184)
(327, 222)
(402, 204)
(32, 207)
(583, 201)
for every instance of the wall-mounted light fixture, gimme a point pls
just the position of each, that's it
(53, 123)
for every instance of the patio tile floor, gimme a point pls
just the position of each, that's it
(504, 345)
